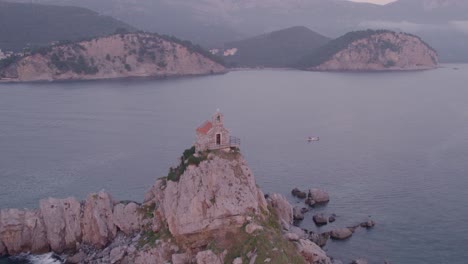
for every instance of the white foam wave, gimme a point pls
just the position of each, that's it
(49, 258)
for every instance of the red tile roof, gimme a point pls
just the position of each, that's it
(203, 129)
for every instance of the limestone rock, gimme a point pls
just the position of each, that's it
(251, 228)
(319, 239)
(77, 258)
(117, 254)
(162, 253)
(2, 249)
(156, 193)
(332, 218)
(237, 261)
(213, 197)
(291, 237)
(312, 253)
(283, 209)
(22, 231)
(381, 51)
(368, 224)
(62, 222)
(298, 231)
(181, 258)
(298, 214)
(97, 223)
(208, 257)
(341, 233)
(168, 58)
(320, 219)
(298, 193)
(319, 196)
(127, 218)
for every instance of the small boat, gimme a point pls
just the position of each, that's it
(310, 139)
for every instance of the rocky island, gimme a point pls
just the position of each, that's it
(115, 56)
(207, 210)
(372, 50)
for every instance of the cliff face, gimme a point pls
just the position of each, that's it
(210, 199)
(382, 51)
(116, 56)
(213, 212)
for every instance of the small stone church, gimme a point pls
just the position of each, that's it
(213, 135)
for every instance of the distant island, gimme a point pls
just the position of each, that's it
(115, 56)
(277, 49)
(372, 50)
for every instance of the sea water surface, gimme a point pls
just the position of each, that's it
(393, 146)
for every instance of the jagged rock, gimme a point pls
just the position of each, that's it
(251, 228)
(117, 254)
(2, 249)
(319, 196)
(62, 222)
(156, 193)
(127, 218)
(368, 224)
(341, 233)
(291, 236)
(97, 223)
(282, 207)
(208, 257)
(182, 258)
(298, 231)
(237, 261)
(22, 231)
(77, 258)
(320, 219)
(359, 261)
(319, 239)
(312, 253)
(215, 196)
(298, 193)
(309, 201)
(298, 213)
(332, 218)
(162, 253)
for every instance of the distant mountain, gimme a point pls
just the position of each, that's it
(442, 23)
(280, 48)
(32, 25)
(114, 56)
(372, 50)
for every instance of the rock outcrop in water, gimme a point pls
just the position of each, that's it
(212, 212)
(370, 50)
(115, 56)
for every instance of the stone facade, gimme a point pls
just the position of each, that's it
(213, 135)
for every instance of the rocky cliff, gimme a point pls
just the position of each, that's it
(115, 56)
(209, 212)
(371, 50)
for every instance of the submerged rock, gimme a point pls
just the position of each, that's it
(319, 239)
(368, 224)
(359, 261)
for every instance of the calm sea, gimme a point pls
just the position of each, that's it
(393, 146)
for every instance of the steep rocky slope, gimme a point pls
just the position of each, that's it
(115, 56)
(371, 50)
(210, 212)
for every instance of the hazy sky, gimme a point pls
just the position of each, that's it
(382, 2)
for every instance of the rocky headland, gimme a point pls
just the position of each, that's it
(208, 210)
(373, 50)
(115, 56)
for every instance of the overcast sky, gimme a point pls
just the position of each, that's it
(382, 2)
